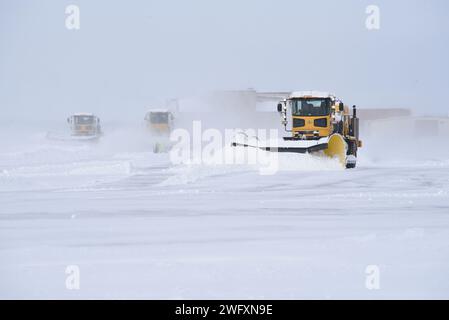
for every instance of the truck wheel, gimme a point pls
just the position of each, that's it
(350, 165)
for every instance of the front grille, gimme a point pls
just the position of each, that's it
(298, 123)
(322, 122)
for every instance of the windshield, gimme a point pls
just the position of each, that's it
(159, 117)
(84, 119)
(311, 107)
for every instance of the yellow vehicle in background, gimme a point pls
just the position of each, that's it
(159, 122)
(84, 125)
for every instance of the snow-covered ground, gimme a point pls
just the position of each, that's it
(139, 227)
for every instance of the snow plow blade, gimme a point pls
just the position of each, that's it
(337, 148)
(314, 148)
(334, 147)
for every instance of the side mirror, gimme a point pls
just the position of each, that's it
(341, 107)
(280, 107)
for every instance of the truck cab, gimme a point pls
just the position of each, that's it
(84, 124)
(159, 122)
(312, 115)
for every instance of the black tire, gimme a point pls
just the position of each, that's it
(352, 148)
(350, 165)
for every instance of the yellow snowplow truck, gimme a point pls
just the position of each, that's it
(160, 123)
(84, 124)
(318, 123)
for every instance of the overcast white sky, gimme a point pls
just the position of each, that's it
(130, 54)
